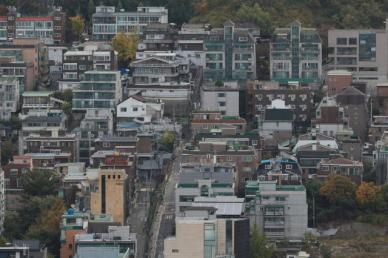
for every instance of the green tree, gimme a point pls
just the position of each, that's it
(168, 139)
(7, 151)
(219, 83)
(126, 46)
(257, 15)
(46, 228)
(340, 193)
(91, 10)
(77, 25)
(39, 183)
(13, 225)
(259, 247)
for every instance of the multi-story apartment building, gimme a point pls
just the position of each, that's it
(157, 38)
(107, 22)
(118, 242)
(160, 69)
(296, 54)
(230, 53)
(211, 234)
(56, 145)
(33, 53)
(95, 124)
(49, 29)
(111, 196)
(244, 157)
(203, 180)
(300, 99)
(77, 62)
(360, 51)
(279, 211)
(338, 80)
(381, 159)
(9, 97)
(98, 90)
(221, 98)
(13, 66)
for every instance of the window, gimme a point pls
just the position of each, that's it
(342, 41)
(134, 109)
(210, 242)
(204, 190)
(367, 47)
(222, 103)
(221, 94)
(288, 166)
(280, 198)
(175, 250)
(123, 109)
(352, 41)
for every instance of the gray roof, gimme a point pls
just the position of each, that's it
(33, 244)
(112, 138)
(279, 115)
(40, 119)
(218, 177)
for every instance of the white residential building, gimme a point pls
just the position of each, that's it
(9, 97)
(224, 98)
(99, 90)
(107, 22)
(136, 107)
(279, 211)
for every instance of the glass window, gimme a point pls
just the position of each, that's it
(367, 47)
(342, 41)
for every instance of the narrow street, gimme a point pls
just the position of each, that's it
(165, 219)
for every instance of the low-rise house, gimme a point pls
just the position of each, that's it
(140, 110)
(352, 169)
(277, 122)
(330, 117)
(205, 121)
(284, 169)
(279, 211)
(311, 148)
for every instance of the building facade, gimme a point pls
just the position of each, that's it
(9, 97)
(50, 29)
(360, 51)
(99, 90)
(279, 211)
(107, 22)
(223, 98)
(296, 54)
(111, 196)
(230, 53)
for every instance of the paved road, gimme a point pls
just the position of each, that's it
(137, 218)
(166, 226)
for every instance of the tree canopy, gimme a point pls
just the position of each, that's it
(40, 183)
(126, 46)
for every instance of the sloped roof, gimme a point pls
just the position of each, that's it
(351, 91)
